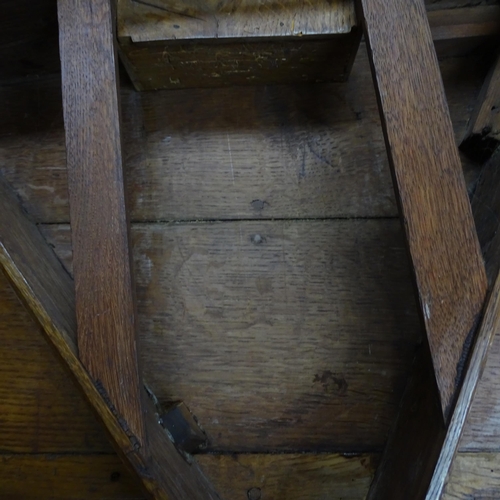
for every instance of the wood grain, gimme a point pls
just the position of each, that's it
(33, 267)
(61, 419)
(388, 329)
(291, 476)
(468, 22)
(41, 410)
(154, 66)
(482, 430)
(50, 417)
(474, 476)
(237, 18)
(105, 306)
(244, 42)
(281, 335)
(299, 152)
(256, 43)
(65, 477)
(304, 476)
(483, 133)
(490, 326)
(46, 289)
(458, 31)
(162, 19)
(429, 183)
(432, 5)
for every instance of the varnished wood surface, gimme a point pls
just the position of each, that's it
(105, 305)
(316, 317)
(281, 152)
(58, 423)
(430, 187)
(432, 5)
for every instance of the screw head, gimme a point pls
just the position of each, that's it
(254, 494)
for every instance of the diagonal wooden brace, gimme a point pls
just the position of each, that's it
(429, 183)
(48, 291)
(448, 267)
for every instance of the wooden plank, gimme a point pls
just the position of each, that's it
(227, 317)
(32, 266)
(443, 482)
(430, 187)
(474, 475)
(291, 476)
(489, 327)
(233, 43)
(483, 133)
(230, 19)
(105, 307)
(304, 476)
(41, 411)
(171, 44)
(468, 30)
(59, 414)
(47, 290)
(313, 151)
(388, 329)
(65, 477)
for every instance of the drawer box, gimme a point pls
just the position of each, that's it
(167, 44)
